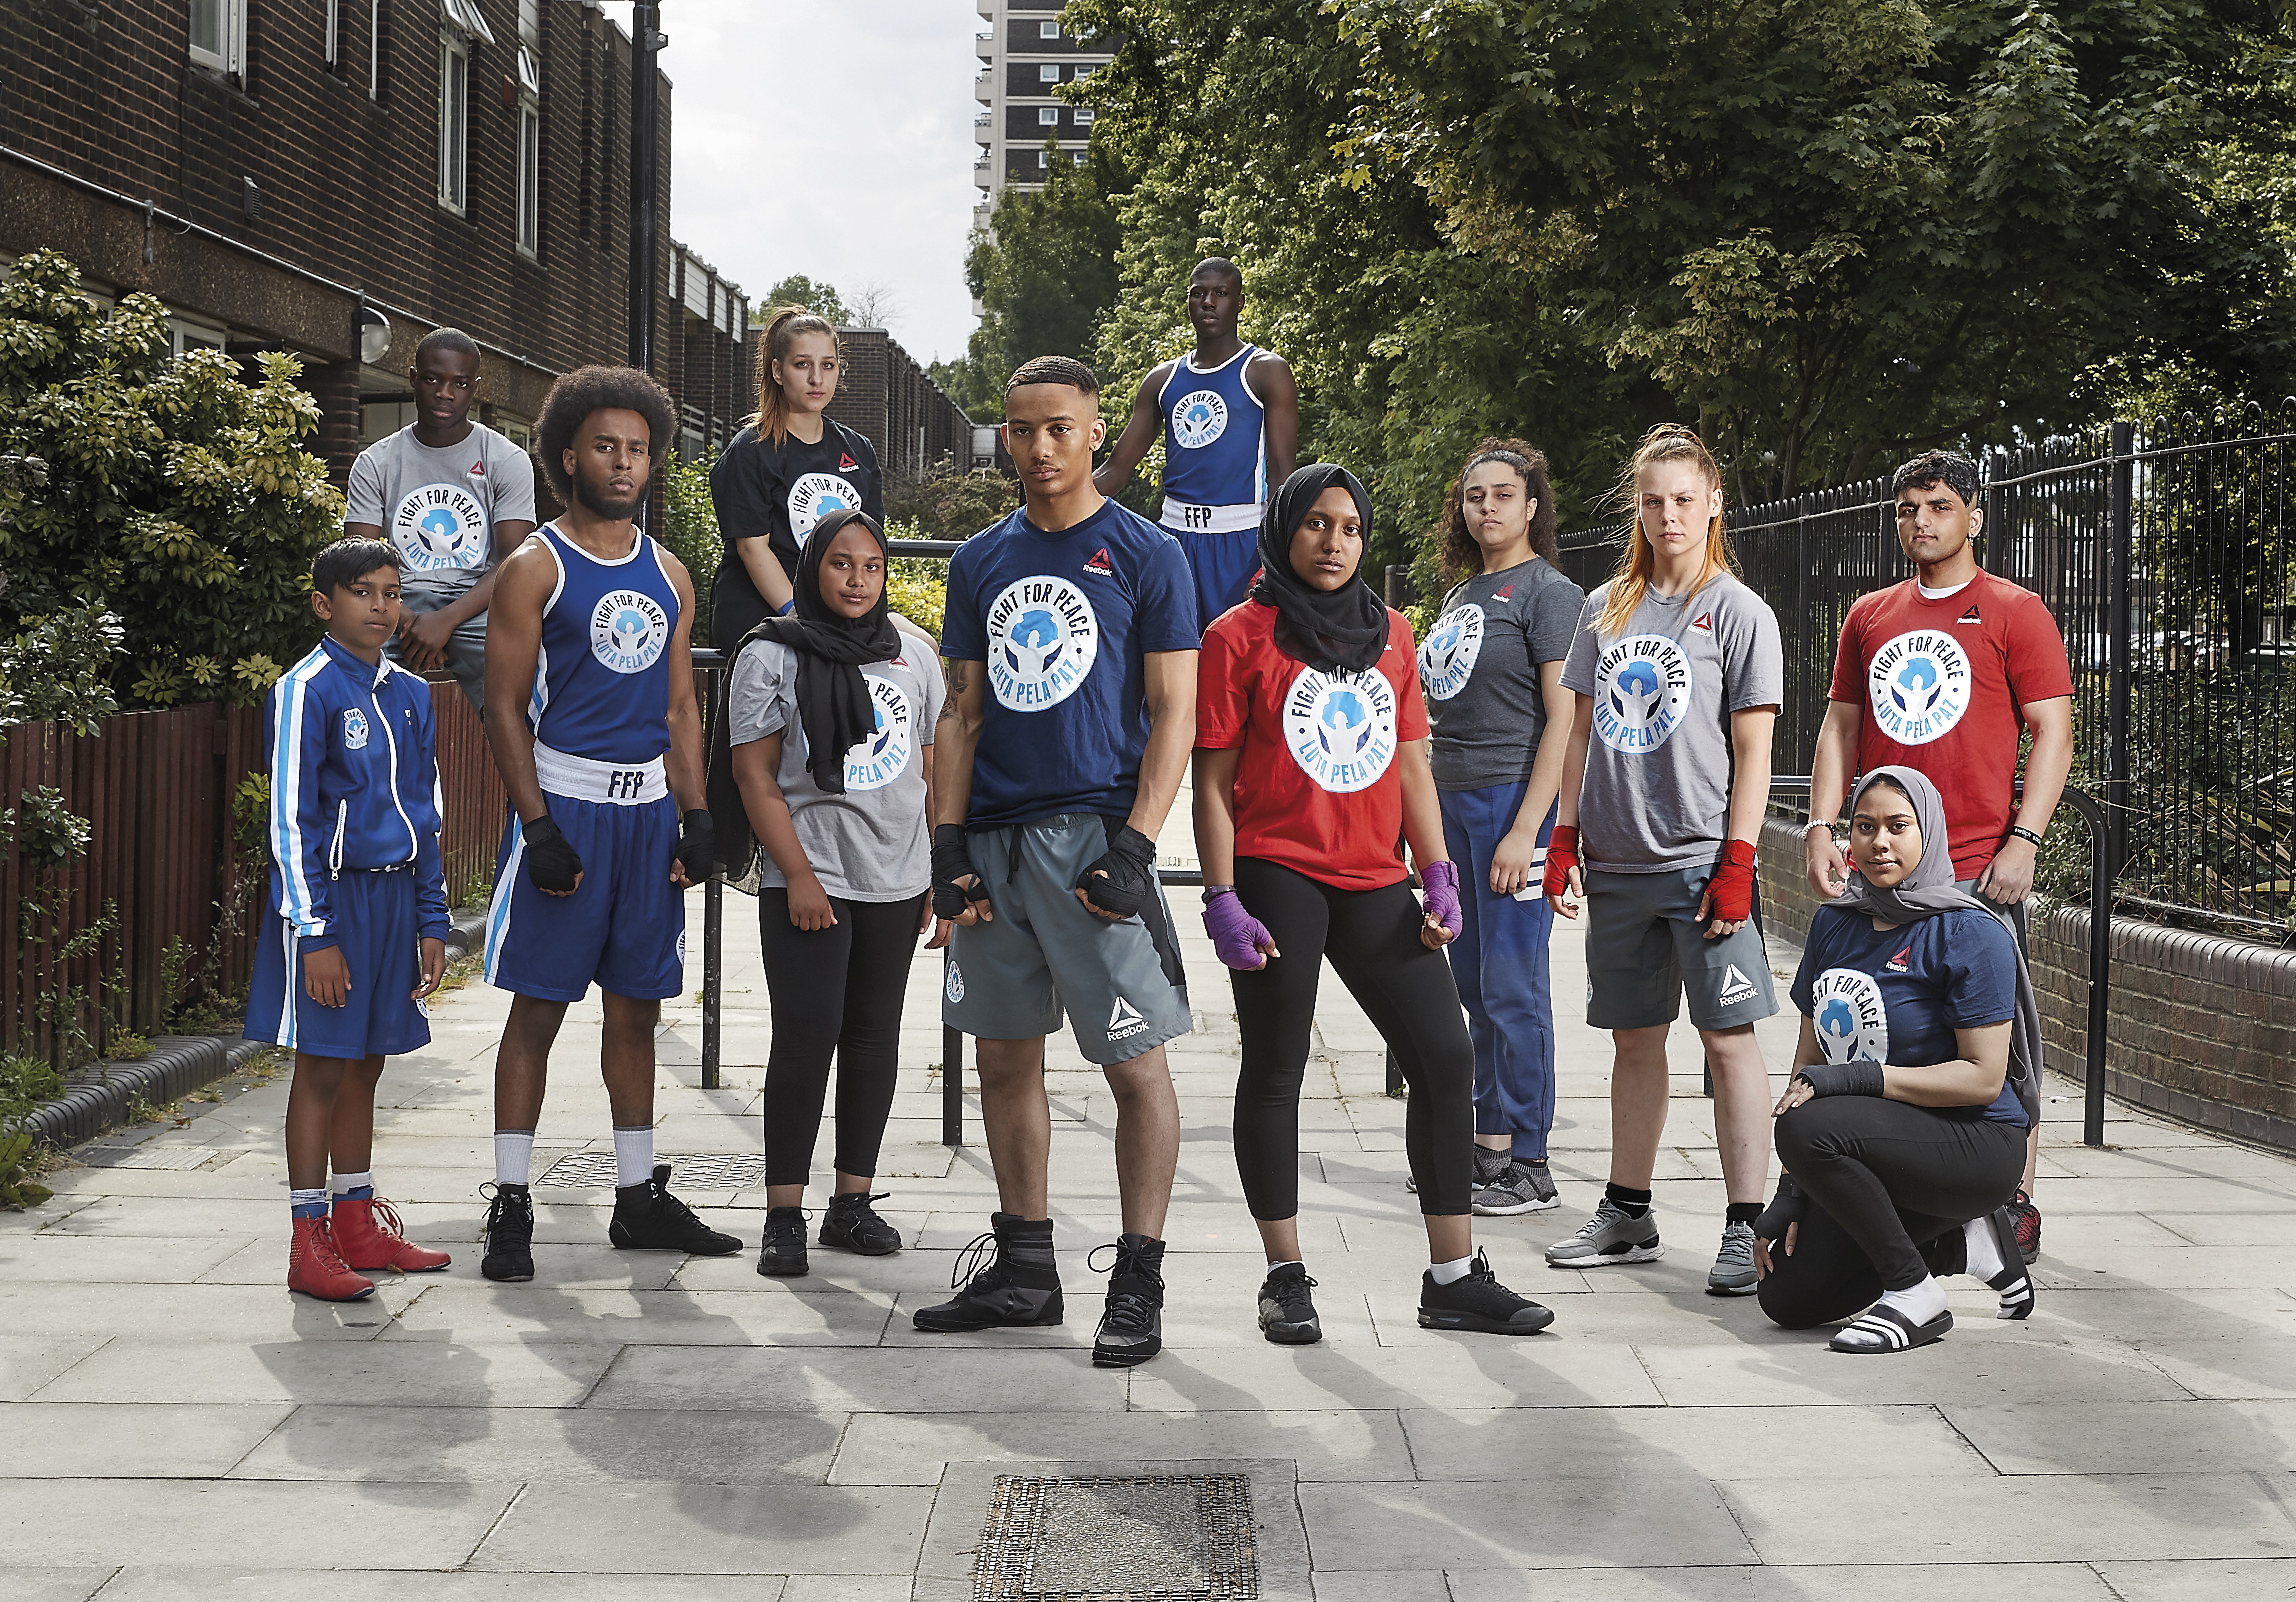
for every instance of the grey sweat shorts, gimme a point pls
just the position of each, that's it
(466, 647)
(1644, 948)
(1121, 983)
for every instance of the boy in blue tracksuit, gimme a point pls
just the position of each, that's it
(357, 934)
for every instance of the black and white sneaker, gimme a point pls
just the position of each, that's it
(648, 1218)
(1132, 1329)
(1516, 1187)
(1477, 1301)
(851, 1222)
(1287, 1312)
(1004, 1279)
(783, 1255)
(508, 1249)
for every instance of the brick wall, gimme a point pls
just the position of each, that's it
(917, 430)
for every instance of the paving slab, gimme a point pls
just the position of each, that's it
(232, 1523)
(58, 1441)
(889, 1449)
(2129, 1437)
(657, 1527)
(169, 1584)
(557, 1374)
(1612, 1523)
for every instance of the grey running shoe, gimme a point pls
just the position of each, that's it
(1733, 1273)
(1523, 1188)
(1608, 1236)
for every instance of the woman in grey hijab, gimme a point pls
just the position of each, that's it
(1903, 1130)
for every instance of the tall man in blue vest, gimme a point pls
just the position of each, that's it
(1230, 413)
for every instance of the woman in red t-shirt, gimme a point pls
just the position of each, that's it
(1311, 761)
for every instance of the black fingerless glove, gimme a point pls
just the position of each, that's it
(551, 863)
(697, 846)
(1859, 1078)
(952, 859)
(1130, 870)
(1785, 1209)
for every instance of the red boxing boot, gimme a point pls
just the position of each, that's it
(366, 1230)
(316, 1269)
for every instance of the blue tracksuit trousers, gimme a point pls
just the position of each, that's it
(1499, 960)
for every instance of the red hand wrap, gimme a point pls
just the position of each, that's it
(1562, 857)
(1732, 888)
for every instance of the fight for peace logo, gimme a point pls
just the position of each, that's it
(1043, 638)
(814, 497)
(629, 630)
(354, 729)
(875, 763)
(439, 528)
(1847, 1013)
(1919, 686)
(1340, 728)
(1447, 657)
(1642, 692)
(1198, 420)
(952, 986)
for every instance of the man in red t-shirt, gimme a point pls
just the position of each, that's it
(1942, 674)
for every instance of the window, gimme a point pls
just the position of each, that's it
(218, 34)
(375, 50)
(1048, 117)
(453, 123)
(1048, 30)
(529, 20)
(334, 34)
(466, 17)
(1044, 160)
(1084, 115)
(529, 153)
(185, 334)
(1049, 73)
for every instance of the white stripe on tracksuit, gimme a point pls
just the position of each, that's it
(288, 773)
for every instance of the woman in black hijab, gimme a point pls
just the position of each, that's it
(829, 720)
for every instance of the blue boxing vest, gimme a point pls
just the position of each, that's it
(602, 680)
(1215, 447)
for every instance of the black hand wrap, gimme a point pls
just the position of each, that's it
(1785, 1209)
(697, 845)
(1859, 1078)
(952, 859)
(1130, 866)
(551, 863)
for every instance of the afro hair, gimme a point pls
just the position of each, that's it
(587, 389)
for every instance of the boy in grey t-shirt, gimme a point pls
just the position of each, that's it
(453, 497)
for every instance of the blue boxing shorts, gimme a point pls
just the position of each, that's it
(376, 928)
(1222, 565)
(624, 927)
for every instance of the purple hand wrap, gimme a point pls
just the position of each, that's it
(1441, 882)
(1236, 934)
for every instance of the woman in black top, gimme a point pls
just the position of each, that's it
(789, 468)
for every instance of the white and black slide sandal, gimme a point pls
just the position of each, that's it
(1881, 1328)
(2012, 1284)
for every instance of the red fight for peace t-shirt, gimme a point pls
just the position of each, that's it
(1938, 685)
(1317, 787)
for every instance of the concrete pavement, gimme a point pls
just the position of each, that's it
(647, 1428)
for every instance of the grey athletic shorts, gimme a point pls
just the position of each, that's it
(1644, 948)
(1009, 978)
(466, 647)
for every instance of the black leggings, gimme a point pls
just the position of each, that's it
(838, 990)
(1372, 937)
(1890, 1186)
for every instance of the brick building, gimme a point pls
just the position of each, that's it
(886, 397)
(260, 165)
(1026, 52)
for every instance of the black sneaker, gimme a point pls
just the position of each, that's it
(1020, 1284)
(783, 1255)
(647, 1217)
(510, 1233)
(853, 1223)
(1478, 1301)
(1132, 1330)
(1287, 1312)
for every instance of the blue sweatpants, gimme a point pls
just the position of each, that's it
(1499, 960)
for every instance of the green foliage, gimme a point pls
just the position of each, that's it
(953, 506)
(689, 528)
(917, 588)
(250, 814)
(1045, 276)
(169, 494)
(797, 289)
(25, 1081)
(59, 666)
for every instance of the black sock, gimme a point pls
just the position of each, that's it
(1532, 1162)
(1743, 1212)
(1634, 1204)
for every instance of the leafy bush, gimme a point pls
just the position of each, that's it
(689, 528)
(58, 667)
(25, 1081)
(953, 506)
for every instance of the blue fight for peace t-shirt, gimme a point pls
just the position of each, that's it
(1059, 623)
(1897, 995)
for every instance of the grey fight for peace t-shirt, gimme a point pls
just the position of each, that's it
(871, 843)
(439, 507)
(1656, 791)
(1479, 665)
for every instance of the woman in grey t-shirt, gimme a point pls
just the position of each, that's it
(1492, 668)
(830, 712)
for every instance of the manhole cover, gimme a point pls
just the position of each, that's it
(705, 1171)
(147, 1156)
(1118, 1539)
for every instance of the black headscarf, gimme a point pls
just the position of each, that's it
(833, 698)
(1334, 631)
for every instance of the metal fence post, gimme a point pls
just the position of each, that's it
(2118, 625)
(952, 1071)
(713, 973)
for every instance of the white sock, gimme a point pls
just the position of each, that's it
(632, 1155)
(1444, 1273)
(307, 1204)
(513, 1156)
(345, 1183)
(1919, 1303)
(1984, 1251)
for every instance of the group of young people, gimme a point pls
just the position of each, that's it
(1542, 751)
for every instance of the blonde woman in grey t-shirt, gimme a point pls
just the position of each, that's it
(1678, 676)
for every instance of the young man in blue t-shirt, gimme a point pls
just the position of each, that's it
(1070, 636)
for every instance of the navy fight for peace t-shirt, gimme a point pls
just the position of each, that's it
(1897, 995)
(1059, 623)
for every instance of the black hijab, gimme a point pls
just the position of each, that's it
(833, 698)
(1335, 631)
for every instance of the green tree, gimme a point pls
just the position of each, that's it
(1045, 274)
(822, 299)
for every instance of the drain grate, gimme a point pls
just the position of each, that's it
(1118, 1539)
(696, 1171)
(148, 1156)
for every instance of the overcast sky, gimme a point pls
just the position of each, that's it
(830, 139)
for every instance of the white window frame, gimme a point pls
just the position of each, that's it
(529, 20)
(464, 16)
(1048, 30)
(375, 50)
(334, 34)
(1048, 117)
(184, 334)
(528, 225)
(1049, 72)
(1044, 161)
(1084, 116)
(453, 124)
(229, 55)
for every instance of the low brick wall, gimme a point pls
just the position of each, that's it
(2202, 1026)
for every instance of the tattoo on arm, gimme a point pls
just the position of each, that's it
(957, 676)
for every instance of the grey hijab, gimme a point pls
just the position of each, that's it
(1927, 891)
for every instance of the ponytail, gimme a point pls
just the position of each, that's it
(771, 418)
(1630, 580)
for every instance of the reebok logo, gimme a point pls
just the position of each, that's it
(1704, 624)
(1736, 987)
(1100, 564)
(1504, 593)
(1900, 962)
(1970, 615)
(1125, 1019)
(478, 470)
(845, 463)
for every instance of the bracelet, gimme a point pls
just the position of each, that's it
(1212, 890)
(1816, 823)
(2021, 832)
